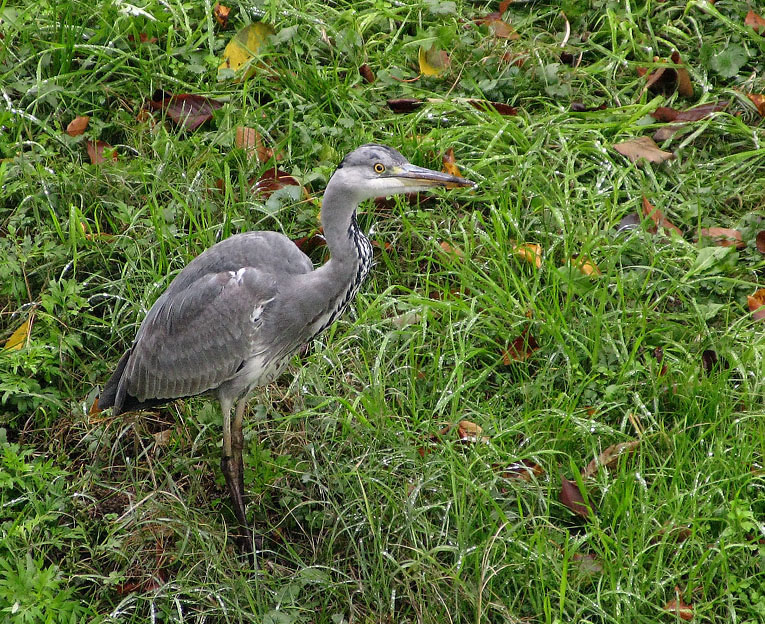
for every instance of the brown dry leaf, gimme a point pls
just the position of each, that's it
(497, 26)
(187, 110)
(162, 438)
(755, 21)
(759, 241)
(251, 142)
(756, 304)
(221, 13)
(307, 244)
(470, 432)
(143, 38)
(405, 105)
(487, 106)
(450, 163)
(587, 564)
(758, 99)
(666, 80)
(609, 457)
(524, 469)
(94, 409)
(451, 249)
(433, 61)
(78, 125)
(18, 338)
(96, 152)
(520, 349)
(678, 607)
(649, 210)
(665, 113)
(572, 498)
(530, 252)
(642, 147)
(724, 237)
(585, 265)
(367, 73)
(272, 180)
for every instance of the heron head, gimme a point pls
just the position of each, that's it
(374, 170)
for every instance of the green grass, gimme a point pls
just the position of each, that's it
(365, 518)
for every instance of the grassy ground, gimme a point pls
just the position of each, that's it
(369, 513)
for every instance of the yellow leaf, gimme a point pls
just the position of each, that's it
(19, 337)
(243, 47)
(530, 252)
(585, 265)
(433, 62)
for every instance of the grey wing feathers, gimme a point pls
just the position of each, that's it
(194, 339)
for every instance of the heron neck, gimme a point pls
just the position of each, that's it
(341, 231)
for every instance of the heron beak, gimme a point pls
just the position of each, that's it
(420, 177)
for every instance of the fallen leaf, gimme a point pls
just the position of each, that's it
(470, 432)
(162, 438)
(579, 107)
(520, 349)
(272, 180)
(755, 21)
(489, 107)
(667, 132)
(587, 564)
(649, 210)
(585, 265)
(678, 534)
(711, 362)
(665, 113)
(18, 338)
(143, 38)
(433, 61)
(756, 304)
(497, 26)
(187, 110)
(724, 237)
(221, 13)
(667, 80)
(572, 498)
(450, 163)
(609, 457)
(523, 469)
(451, 249)
(367, 73)
(678, 607)
(759, 241)
(530, 252)
(96, 152)
(404, 105)
(251, 142)
(78, 125)
(94, 409)
(244, 46)
(642, 147)
(307, 244)
(629, 222)
(758, 99)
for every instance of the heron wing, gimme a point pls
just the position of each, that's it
(195, 338)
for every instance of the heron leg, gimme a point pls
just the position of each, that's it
(232, 467)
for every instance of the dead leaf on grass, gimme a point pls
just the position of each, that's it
(470, 432)
(649, 210)
(187, 110)
(759, 241)
(667, 80)
(78, 125)
(367, 73)
(450, 163)
(272, 180)
(756, 304)
(530, 252)
(96, 152)
(524, 469)
(19, 337)
(451, 250)
(433, 61)
(243, 48)
(678, 607)
(609, 457)
(221, 13)
(250, 140)
(643, 147)
(755, 21)
(758, 99)
(665, 113)
(572, 498)
(587, 564)
(723, 237)
(520, 349)
(585, 265)
(307, 244)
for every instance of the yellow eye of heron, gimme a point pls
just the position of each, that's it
(379, 168)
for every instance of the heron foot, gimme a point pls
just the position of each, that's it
(233, 471)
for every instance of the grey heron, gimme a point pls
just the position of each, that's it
(232, 318)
